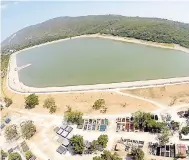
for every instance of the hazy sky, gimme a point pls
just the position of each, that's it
(17, 15)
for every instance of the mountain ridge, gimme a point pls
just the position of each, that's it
(149, 29)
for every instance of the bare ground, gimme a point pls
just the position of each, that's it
(170, 95)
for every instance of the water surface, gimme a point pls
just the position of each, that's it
(93, 61)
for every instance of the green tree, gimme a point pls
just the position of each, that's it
(100, 103)
(28, 155)
(141, 119)
(74, 117)
(11, 132)
(14, 156)
(137, 154)
(106, 155)
(103, 140)
(31, 101)
(94, 145)
(185, 130)
(3, 154)
(28, 129)
(163, 137)
(78, 144)
(8, 101)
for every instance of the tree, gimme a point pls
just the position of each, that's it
(49, 102)
(11, 132)
(106, 155)
(185, 130)
(31, 101)
(74, 117)
(28, 155)
(94, 145)
(28, 129)
(3, 154)
(100, 103)
(137, 154)
(14, 156)
(8, 101)
(163, 137)
(141, 119)
(78, 144)
(103, 140)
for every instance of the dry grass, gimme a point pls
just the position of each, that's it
(84, 101)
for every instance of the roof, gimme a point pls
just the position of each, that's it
(61, 149)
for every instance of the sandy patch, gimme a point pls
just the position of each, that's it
(84, 101)
(170, 95)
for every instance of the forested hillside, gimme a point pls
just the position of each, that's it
(150, 29)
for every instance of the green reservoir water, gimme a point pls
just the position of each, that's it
(93, 61)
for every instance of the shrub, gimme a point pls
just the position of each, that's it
(100, 103)
(14, 156)
(28, 155)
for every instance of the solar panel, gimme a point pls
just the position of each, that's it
(60, 131)
(64, 134)
(64, 127)
(65, 142)
(61, 149)
(69, 129)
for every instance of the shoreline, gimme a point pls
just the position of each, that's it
(116, 38)
(16, 86)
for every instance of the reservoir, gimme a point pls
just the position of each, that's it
(85, 61)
